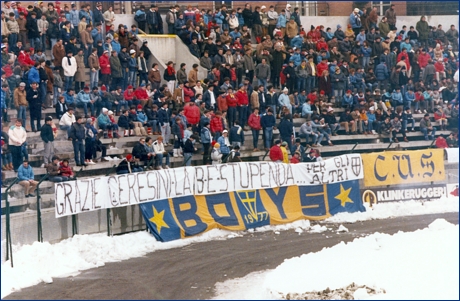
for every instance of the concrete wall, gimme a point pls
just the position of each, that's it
(332, 22)
(165, 48)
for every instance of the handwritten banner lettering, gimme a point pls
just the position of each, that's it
(402, 167)
(131, 189)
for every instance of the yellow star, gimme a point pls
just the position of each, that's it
(158, 220)
(343, 196)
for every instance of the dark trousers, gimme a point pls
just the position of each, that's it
(255, 137)
(16, 152)
(79, 152)
(231, 115)
(35, 116)
(243, 115)
(206, 153)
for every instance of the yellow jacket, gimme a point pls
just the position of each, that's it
(285, 154)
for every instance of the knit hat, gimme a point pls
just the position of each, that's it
(139, 107)
(110, 112)
(105, 110)
(339, 26)
(284, 143)
(89, 120)
(103, 88)
(132, 51)
(129, 157)
(130, 87)
(216, 145)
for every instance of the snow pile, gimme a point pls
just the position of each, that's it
(415, 265)
(395, 209)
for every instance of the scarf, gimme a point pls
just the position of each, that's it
(171, 70)
(68, 61)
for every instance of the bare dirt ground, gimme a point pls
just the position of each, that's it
(191, 272)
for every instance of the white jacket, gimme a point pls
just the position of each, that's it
(17, 135)
(69, 70)
(67, 119)
(216, 156)
(159, 148)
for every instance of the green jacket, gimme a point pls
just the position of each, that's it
(423, 29)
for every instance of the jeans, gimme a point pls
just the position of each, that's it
(366, 61)
(124, 83)
(132, 78)
(301, 83)
(85, 107)
(68, 81)
(263, 81)
(12, 39)
(22, 115)
(405, 122)
(425, 132)
(66, 128)
(94, 78)
(143, 78)
(123, 103)
(243, 115)
(188, 159)
(311, 83)
(43, 42)
(255, 137)
(34, 43)
(159, 159)
(268, 134)
(79, 152)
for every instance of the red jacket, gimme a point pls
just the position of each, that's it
(439, 66)
(105, 64)
(400, 56)
(423, 60)
(24, 59)
(141, 94)
(294, 160)
(438, 115)
(276, 154)
(8, 70)
(128, 95)
(65, 171)
(441, 142)
(192, 112)
(231, 100)
(216, 124)
(188, 94)
(242, 98)
(222, 103)
(254, 122)
(320, 68)
(419, 96)
(320, 45)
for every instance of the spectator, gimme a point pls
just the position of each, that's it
(254, 123)
(20, 102)
(66, 170)
(216, 155)
(160, 153)
(26, 179)
(47, 136)
(426, 127)
(276, 154)
(396, 128)
(128, 165)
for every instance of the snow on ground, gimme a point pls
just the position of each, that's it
(41, 262)
(416, 265)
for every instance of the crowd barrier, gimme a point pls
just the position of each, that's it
(182, 202)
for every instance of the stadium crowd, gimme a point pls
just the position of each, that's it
(264, 68)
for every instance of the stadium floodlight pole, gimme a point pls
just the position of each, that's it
(39, 211)
(9, 244)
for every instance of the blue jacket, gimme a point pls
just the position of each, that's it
(235, 35)
(281, 20)
(240, 19)
(33, 76)
(366, 51)
(354, 21)
(409, 97)
(347, 100)
(395, 96)
(381, 72)
(370, 117)
(296, 41)
(361, 38)
(132, 64)
(116, 46)
(306, 109)
(236, 134)
(285, 128)
(267, 121)
(25, 174)
(296, 58)
(103, 119)
(96, 36)
(69, 99)
(83, 97)
(205, 135)
(219, 17)
(141, 117)
(224, 149)
(74, 19)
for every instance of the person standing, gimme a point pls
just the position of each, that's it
(35, 106)
(26, 179)
(390, 14)
(206, 139)
(48, 139)
(254, 123)
(17, 137)
(189, 149)
(77, 134)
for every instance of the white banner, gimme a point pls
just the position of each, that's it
(452, 154)
(129, 189)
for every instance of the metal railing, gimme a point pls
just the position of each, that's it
(39, 210)
(9, 243)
